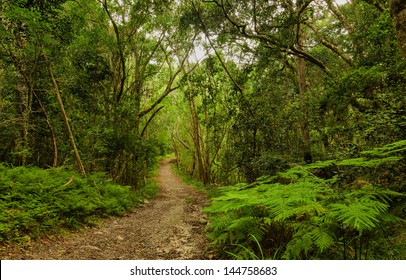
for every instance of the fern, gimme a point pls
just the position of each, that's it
(321, 164)
(34, 200)
(360, 215)
(364, 162)
(298, 214)
(300, 244)
(322, 238)
(396, 147)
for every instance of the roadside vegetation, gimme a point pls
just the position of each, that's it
(336, 209)
(291, 114)
(37, 202)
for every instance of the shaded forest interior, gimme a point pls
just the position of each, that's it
(291, 113)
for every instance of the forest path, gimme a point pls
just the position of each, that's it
(171, 226)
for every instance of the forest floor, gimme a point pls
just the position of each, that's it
(170, 226)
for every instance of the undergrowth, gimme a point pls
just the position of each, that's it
(348, 209)
(209, 191)
(34, 201)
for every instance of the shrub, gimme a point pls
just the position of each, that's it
(33, 200)
(327, 210)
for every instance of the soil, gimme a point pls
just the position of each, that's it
(169, 227)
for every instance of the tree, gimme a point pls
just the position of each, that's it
(398, 12)
(144, 47)
(65, 117)
(22, 26)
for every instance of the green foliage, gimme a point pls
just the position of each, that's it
(386, 150)
(34, 200)
(298, 214)
(230, 121)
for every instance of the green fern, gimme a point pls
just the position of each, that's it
(396, 147)
(364, 162)
(322, 238)
(300, 245)
(361, 214)
(303, 215)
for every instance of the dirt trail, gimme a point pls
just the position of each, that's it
(170, 226)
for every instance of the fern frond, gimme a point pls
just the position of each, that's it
(316, 214)
(364, 162)
(386, 150)
(322, 238)
(320, 164)
(297, 246)
(294, 173)
(360, 214)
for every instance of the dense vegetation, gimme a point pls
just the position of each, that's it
(326, 210)
(297, 106)
(34, 201)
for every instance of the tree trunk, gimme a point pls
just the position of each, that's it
(302, 83)
(48, 122)
(24, 90)
(24, 112)
(398, 13)
(203, 175)
(65, 118)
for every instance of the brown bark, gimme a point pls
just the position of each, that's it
(25, 107)
(398, 13)
(24, 92)
(203, 174)
(303, 87)
(331, 46)
(339, 15)
(122, 72)
(48, 122)
(149, 121)
(65, 118)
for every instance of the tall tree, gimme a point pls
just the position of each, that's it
(398, 11)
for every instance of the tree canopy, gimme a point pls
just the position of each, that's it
(238, 90)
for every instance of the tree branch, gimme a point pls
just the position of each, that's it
(331, 46)
(272, 42)
(169, 87)
(149, 120)
(239, 88)
(120, 51)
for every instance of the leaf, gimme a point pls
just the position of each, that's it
(386, 150)
(360, 214)
(322, 238)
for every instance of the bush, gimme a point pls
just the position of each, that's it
(327, 210)
(33, 200)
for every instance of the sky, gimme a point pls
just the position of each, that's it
(340, 2)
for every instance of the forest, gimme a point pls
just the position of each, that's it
(290, 113)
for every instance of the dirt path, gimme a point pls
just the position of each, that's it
(170, 226)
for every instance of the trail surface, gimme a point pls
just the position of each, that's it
(171, 226)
